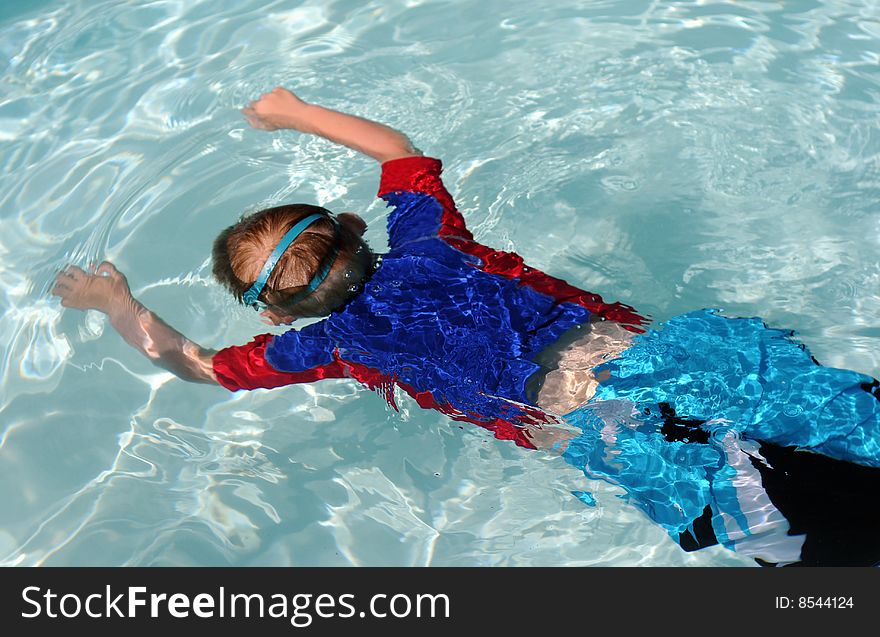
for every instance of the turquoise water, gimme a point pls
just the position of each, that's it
(671, 155)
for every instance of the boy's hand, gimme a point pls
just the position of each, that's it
(104, 288)
(278, 109)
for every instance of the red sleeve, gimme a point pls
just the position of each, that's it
(246, 367)
(422, 175)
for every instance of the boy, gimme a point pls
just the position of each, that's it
(702, 422)
(456, 324)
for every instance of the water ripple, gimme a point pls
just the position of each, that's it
(672, 155)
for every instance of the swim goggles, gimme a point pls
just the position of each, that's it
(252, 295)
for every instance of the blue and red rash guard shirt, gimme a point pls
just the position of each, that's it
(452, 322)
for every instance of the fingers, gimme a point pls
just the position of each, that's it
(81, 289)
(59, 289)
(255, 123)
(72, 278)
(278, 91)
(66, 282)
(281, 91)
(64, 287)
(253, 119)
(251, 109)
(106, 269)
(73, 272)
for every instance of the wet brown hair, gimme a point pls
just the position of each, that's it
(241, 250)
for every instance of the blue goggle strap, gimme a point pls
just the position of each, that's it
(319, 277)
(250, 297)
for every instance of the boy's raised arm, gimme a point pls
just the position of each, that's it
(282, 109)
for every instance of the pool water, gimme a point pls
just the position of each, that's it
(670, 155)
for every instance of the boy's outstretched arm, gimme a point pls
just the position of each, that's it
(282, 109)
(106, 289)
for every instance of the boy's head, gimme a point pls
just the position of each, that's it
(241, 251)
